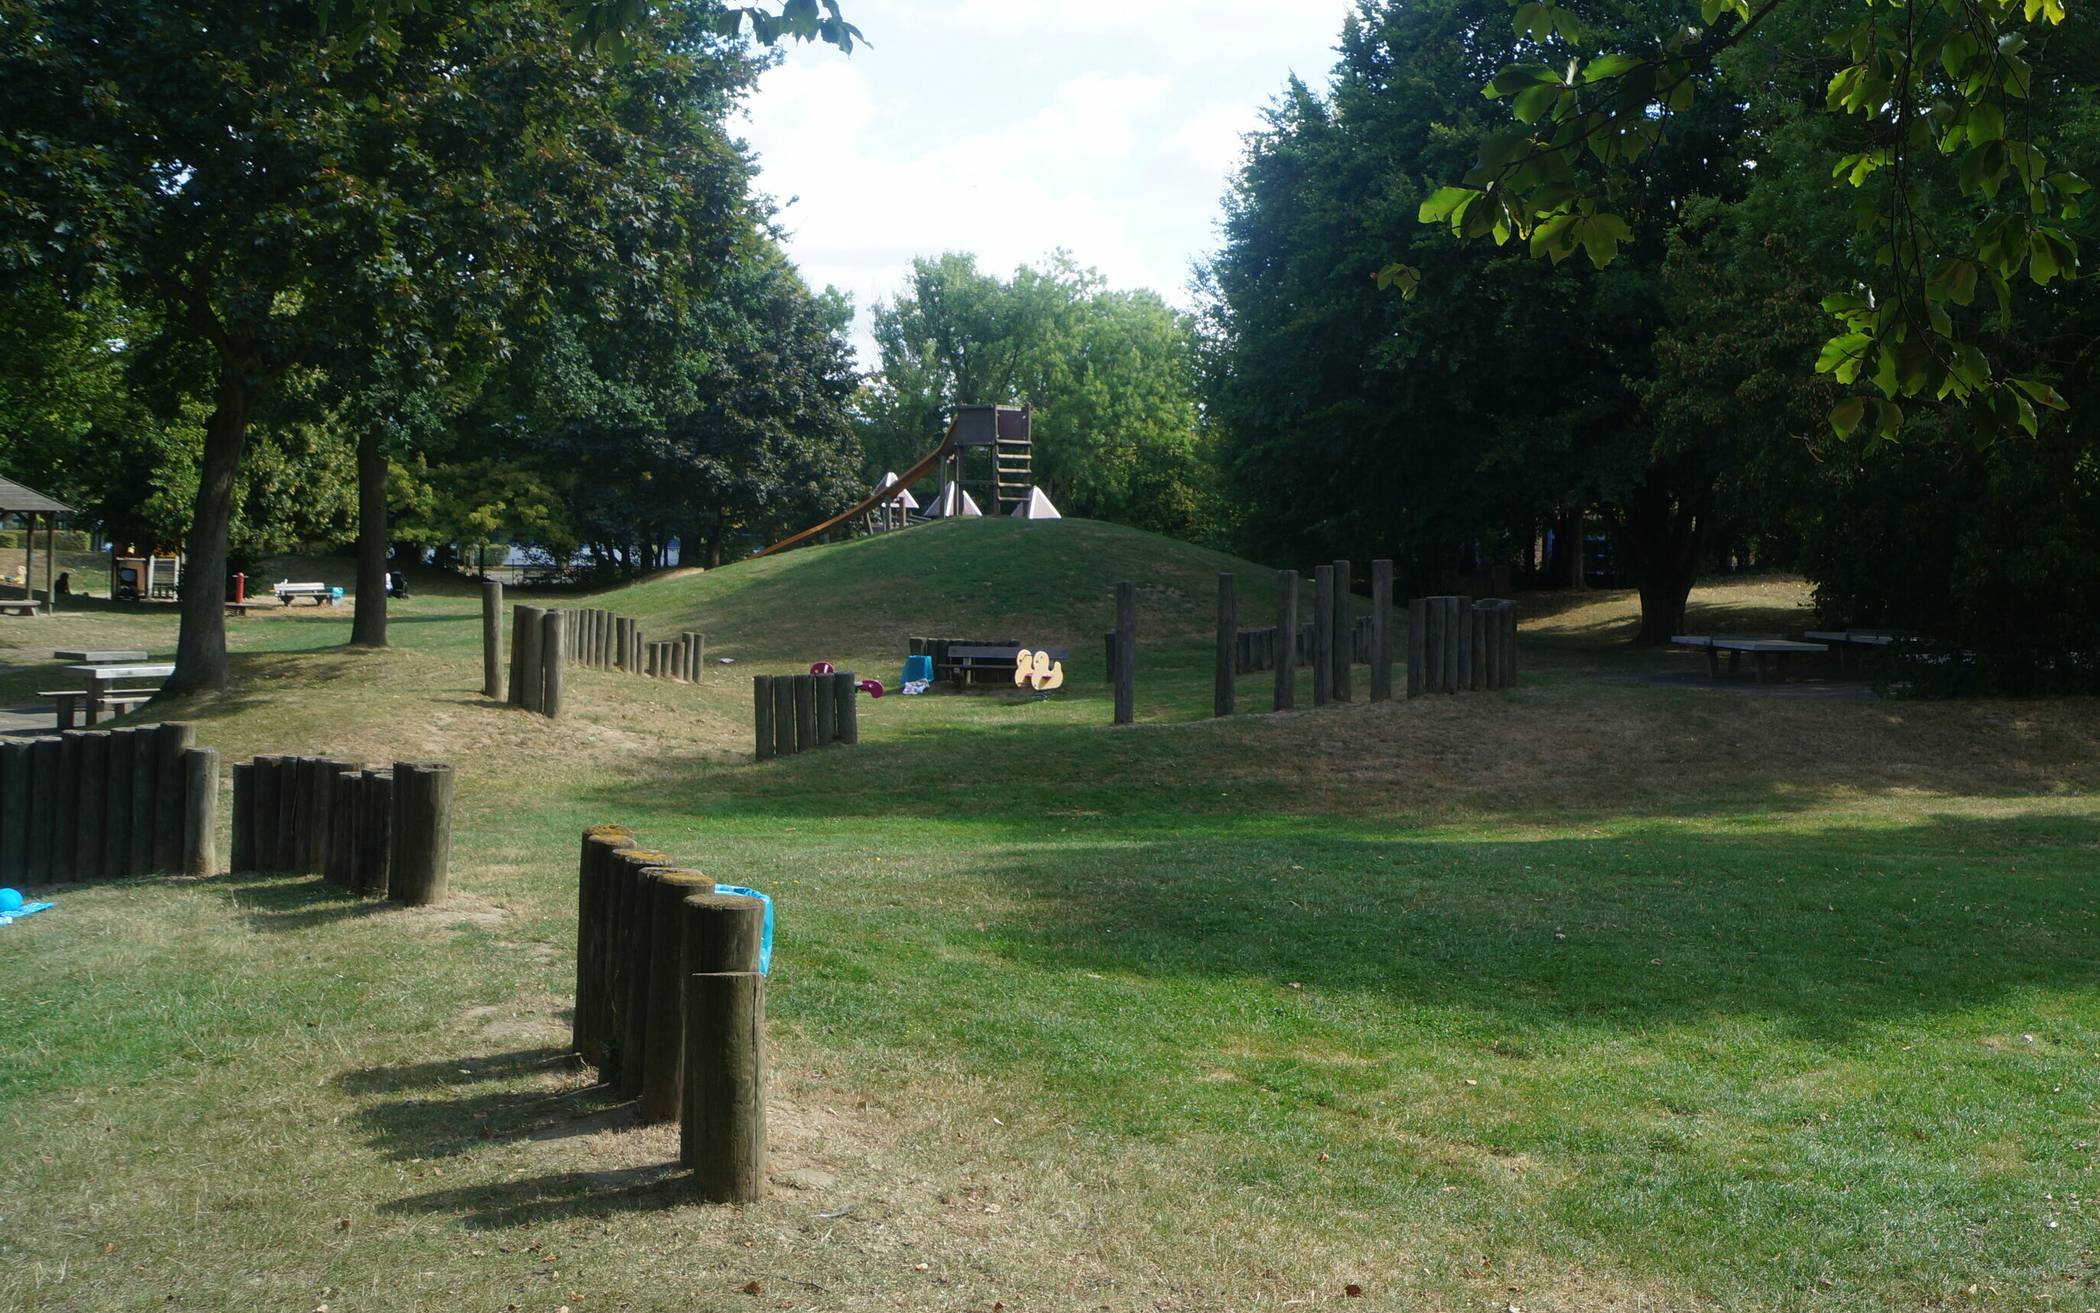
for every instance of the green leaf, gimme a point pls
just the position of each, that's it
(1601, 237)
(1404, 278)
(1985, 123)
(1846, 415)
(1443, 202)
(2041, 392)
(1843, 355)
(1616, 64)
(1517, 77)
(1532, 103)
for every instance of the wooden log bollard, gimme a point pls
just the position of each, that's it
(145, 799)
(663, 1049)
(45, 758)
(762, 716)
(1286, 667)
(696, 655)
(1381, 631)
(1323, 635)
(634, 872)
(594, 874)
(492, 640)
(373, 856)
(1125, 663)
(805, 713)
(15, 802)
(847, 691)
(827, 690)
(554, 657)
(719, 932)
(531, 662)
(115, 820)
(94, 799)
(1343, 649)
(1477, 623)
(241, 847)
(1224, 688)
(420, 864)
(1456, 658)
(200, 811)
(339, 868)
(723, 1130)
(784, 716)
(170, 810)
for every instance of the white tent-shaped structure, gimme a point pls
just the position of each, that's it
(903, 501)
(953, 501)
(1037, 507)
(895, 511)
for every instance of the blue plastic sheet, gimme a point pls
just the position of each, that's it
(765, 934)
(31, 909)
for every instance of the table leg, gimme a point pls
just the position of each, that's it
(93, 712)
(1713, 664)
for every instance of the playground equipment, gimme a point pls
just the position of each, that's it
(1005, 434)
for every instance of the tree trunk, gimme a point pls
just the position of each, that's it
(200, 647)
(368, 627)
(1665, 532)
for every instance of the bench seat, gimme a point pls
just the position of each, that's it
(1769, 655)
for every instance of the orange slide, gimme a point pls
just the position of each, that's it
(882, 494)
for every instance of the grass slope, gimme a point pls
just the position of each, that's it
(1595, 995)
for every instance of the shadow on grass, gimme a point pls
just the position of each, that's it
(556, 1196)
(1825, 931)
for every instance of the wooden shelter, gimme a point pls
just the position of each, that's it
(15, 499)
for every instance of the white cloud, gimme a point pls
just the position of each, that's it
(1009, 128)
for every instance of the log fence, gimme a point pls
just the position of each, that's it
(106, 805)
(545, 645)
(376, 832)
(800, 713)
(670, 1004)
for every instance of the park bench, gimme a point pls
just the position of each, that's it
(102, 691)
(96, 657)
(21, 608)
(963, 662)
(1769, 654)
(239, 610)
(318, 594)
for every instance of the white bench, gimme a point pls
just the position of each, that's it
(101, 691)
(319, 594)
(1848, 640)
(1769, 654)
(21, 608)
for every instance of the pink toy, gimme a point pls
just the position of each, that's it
(871, 687)
(822, 668)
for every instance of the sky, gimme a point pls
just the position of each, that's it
(1010, 128)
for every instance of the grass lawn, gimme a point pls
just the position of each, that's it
(1598, 994)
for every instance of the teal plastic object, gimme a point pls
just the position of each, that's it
(918, 667)
(765, 934)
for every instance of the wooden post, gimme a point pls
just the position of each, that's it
(516, 696)
(145, 795)
(1223, 685)
(170, 742)
(45, 756)
(339, 865)
(634, 873)
(1509, 651)
(847, 691)
(421, 861)
(321, 775)
(827, 690)
(554, 657)
(805, 713)
(262, 826)
(663, 1049)
(492, 640)
(200, 811)
(1323, 635)
(1344, 641)
(725, 1124)
(373, 868)
(1417, 644)
(1447, 671)
(594, 874)
(1477, 622)
(531, 667)
(1381, 631)
(698, 650)
(14, 812)
(720, 932)
(242, 856)
(784, 744)
(116, 807)
(1126, 653)
(89, 821)
(1286, 641)
(762, 716)
(623, 868)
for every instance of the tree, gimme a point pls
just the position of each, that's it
(1915, 82)
(1110, 376)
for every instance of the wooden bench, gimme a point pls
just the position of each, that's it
(240, 609)
(319, 594)
(96, 656)
(65, 702)
(1769, 654)
(996, 661)
(21, 608)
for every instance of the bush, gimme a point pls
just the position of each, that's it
(69, 540)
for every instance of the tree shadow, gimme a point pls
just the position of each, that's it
(452, 1106)
(1825, 931)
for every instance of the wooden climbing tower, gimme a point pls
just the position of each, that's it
(1004, 433)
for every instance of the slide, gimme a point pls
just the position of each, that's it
(882, 494)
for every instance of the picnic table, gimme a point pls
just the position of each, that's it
(963, 662)
(95, 657)
(101, 691)
(1846, 641)
(22, 608)
(1769, 654)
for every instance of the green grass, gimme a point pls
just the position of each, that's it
(1594, 995)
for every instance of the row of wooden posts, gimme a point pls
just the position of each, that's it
(108, 803)
(544, 642)
(797, 713)
(1455, 644)
(670, 1005)
(379, 833)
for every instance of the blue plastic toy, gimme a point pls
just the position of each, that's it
(10, 900)
(918, 668)
(765, 933)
